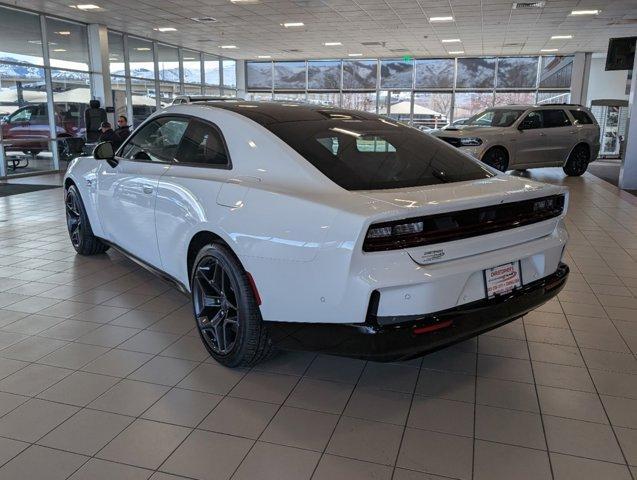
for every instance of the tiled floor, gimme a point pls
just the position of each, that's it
(103, 377)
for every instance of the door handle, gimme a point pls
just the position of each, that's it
(542, 134)
(147, 189)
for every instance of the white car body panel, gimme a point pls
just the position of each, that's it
(300, 235)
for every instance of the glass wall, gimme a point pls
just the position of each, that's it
(425, 92)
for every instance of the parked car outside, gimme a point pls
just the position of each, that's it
(518, 137)
(27, 129)
(455, 123)
(310, 227)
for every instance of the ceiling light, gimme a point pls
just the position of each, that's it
(547, 50)
(264, 56)
(165, 29)
(143, 49)
(204, 19)
(561, 37)
(37, 42)
(332, 44)
(451, 40)
(245, 1)
(190, 58)
(456, 52)
(63, 33)
(441, 19)
(59, 49)
(354, 54)
(86, 6)
(227, 46)
(293, 24)
(585, 12)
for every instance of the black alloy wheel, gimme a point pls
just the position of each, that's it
(78, 225)
(215, 303)
(73, 217)
(226, 308)
(577, 162)
(497, 158)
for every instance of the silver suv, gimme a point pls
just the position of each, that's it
(517, 137)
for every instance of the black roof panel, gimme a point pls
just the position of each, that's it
(267, 113)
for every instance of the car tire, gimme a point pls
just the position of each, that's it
(226, 309)
(577, 162)
(497, 158)
(78, 225)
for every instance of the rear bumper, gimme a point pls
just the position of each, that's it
(414, 337)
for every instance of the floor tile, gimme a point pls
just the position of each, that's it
(566, 467)
(96, 469)
(212, 378)
(182, 407)
(265, 387)
(32, 379)
(34, 419)
(379, 405)
(129, 397)
(506, 394)
(79, 388)
(69, 330)
(10, 448)
(338, 468)
(389, 376)
(163, 370)
(584, 439)
(509, 426)
(365, 440)
(338, 369)
(86, 432)
(108, 336)
(628, 441)
(621, 411)
(241, 417)
(300, 428)
(73, 356)
(32, 349)
(147, 444)
(223, 454)
(275, 462)
(117, 363)
(497, 461)
(571, 404)
(440, 415)
(320, 395)
(436, 453)
(505, 368)
(149, 342)
(41, 463)
(449, 385)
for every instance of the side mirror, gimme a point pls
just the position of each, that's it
(105, 151)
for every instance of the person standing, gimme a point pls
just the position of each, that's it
(123, 129)
(109, 135)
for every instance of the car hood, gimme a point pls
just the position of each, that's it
(467, 130)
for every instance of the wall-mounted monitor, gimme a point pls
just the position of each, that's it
(621, 53)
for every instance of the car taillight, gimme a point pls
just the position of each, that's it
(461, 224)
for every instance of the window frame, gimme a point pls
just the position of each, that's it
(216, 128)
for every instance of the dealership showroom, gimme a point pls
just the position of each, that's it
(318, 240)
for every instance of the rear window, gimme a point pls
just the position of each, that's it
(375, 154)
(581, 117)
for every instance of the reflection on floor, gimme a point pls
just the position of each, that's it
(103, 376)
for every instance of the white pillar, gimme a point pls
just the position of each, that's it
(580, 76)
(101, 75)
(628, 174)
(241, 79)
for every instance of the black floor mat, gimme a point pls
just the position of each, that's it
(7, 189)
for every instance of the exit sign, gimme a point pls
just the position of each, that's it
(408, 58)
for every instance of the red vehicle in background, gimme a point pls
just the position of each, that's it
(27, 129)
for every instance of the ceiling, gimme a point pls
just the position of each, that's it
(402, 27)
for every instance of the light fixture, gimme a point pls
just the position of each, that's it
(293, 24)
(561, 37)
(244, 1)
(165, 29)
(585, 12)
(59, 49)
(264, 56)
(190, 58)
(451, 40)
(354, 54)
(86, 6)
(143, 49)
(227, 46)
(441, 19)
(64, 33)
(332, 44)
(456, 52)
(38, 42)
(549, 50)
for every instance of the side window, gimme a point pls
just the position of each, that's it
(203, 145)
(555, 118)
(157, 141)
(532, 120)
(581, 117)
(23, 115)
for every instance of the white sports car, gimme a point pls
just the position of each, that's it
(308, 227)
